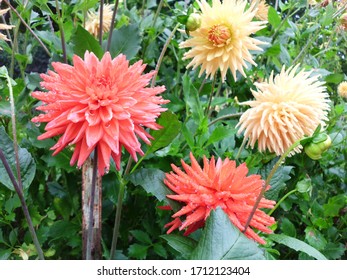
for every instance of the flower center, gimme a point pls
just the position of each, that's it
(219, 35)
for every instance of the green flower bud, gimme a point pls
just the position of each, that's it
(193, 22)
(315, 149)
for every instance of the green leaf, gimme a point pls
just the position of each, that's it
(221, 240)
(83, 41)
(273, 17)
(279, 179)
(220, 133)
(164, 136)
(297, 245)
(315, 238)
(192, 99)
(304, 185)
(126, 40)
(141, 236)
(182, 244)
(334, 205)
(160, 250)
(288, 227)
(334, 251)
(26, 162)
(138, 251)
(335, 78)
(328, 17)
(188, 136)
(152, 180)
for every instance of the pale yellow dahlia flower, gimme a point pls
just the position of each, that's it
(342, 89)
(263, 9)
(93, 20)
(223, 40)
(4, 26)
(286, 108)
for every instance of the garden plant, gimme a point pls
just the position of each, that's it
(175, 130)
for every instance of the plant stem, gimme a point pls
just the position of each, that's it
(112, 25)
(211, 95)
(163, 51)
(281, 200)
(28, 27)
(61, 28)
(14, 130)
(229, 116)
(263, 189)
(90, 228)
(117, 218)
(157, 12)
(101, 15)
(19, 191)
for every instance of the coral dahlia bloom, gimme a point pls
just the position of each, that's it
(286, 108)
(223, 40)
(217, 184)
(99, 104)
(4, 26)
(92, 24)
(342, 89)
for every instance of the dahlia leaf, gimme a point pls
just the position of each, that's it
(152, 181)
(26, 162)
(164, 136)
(274, 18)
(182, 244)
(138, 251)
(83, 41)
(278, 181)
(126, 40)
(221, 240)
(220, 133)
(191, 97)
(297, 245)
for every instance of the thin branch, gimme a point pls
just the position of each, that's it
(101, 15)
(112, 25)
(28, 27)
(61, 29)
(23, 204)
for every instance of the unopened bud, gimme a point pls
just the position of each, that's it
(193, 22)
(314, 150)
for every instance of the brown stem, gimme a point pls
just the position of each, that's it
(112, 25)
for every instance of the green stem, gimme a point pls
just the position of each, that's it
(263, 189)
(280, 201)
(117, 218)
(61, 29)
(157, 12)
(241, 148)
(90, 231)
(163, 51)
(211, 95)
(229, 116)
(23, 204)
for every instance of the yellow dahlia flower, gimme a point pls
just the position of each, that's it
(223, 40)
(4, 26)
(93, 20)
(286, 108)
(342, 89)
(263, 9)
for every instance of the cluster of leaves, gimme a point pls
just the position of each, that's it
(312, 216)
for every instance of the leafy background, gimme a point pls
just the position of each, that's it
(311, 220)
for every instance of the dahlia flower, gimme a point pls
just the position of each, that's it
(342, 89)
(263, 9)
(217, 184)
(99, 105)
(4, 26)
(286, 108)
(223, 40)
(92, 23)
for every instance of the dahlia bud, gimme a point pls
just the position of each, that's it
(193, 22)
(318, 146)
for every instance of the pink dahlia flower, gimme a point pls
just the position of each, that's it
(99, 104)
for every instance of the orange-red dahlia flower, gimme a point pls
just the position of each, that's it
(99, 104)
(218, 184)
